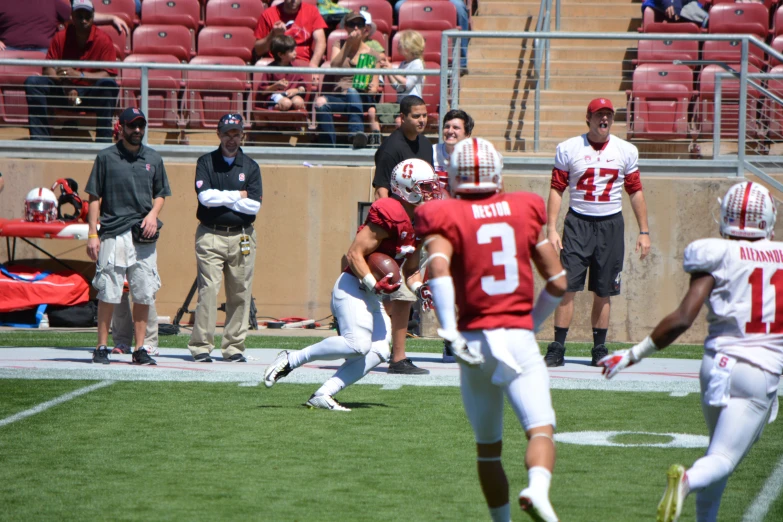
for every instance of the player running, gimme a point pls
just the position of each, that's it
(740, 278)
(480, 246)
(364, 326)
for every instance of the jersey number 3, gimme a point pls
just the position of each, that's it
(586, 183)
(756, 325)
(505, 257)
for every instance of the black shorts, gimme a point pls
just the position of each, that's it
(597, 243)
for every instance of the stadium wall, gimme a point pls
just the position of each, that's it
(309, 216)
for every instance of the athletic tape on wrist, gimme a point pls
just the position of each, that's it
(369, 282)
(643, 349)
(415, 286)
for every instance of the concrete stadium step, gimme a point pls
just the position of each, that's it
(508, 8)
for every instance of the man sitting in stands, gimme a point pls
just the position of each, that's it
(79, 88)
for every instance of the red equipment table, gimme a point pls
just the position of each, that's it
(21, 229)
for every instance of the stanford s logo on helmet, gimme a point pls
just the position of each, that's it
(475, 168)
(747, 212)
(414, 181)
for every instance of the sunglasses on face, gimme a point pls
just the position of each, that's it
(355, 25)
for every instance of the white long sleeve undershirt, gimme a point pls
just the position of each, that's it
(229, 198)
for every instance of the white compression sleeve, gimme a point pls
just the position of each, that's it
(545, 305)
(442, 289)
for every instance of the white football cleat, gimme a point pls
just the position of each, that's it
(537, 505)
(670, 507)
(325, 402)
(277, 370)
(152, 350)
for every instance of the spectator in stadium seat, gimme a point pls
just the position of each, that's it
(284, 91)
(411, 47)
(29, 25)
(301, 21)
(463, 20)
(72, 87)
(679, 10)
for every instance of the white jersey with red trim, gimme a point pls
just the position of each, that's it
(745, 308)
(595, 178)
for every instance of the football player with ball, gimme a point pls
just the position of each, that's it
(365, 328)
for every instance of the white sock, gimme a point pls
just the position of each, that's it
(708, 501)
(351, 371)
(539, 478)
(708, 470)
(501, 514)
(329, 349)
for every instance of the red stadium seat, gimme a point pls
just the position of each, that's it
(121, 41)
(654, 22)
(338, 36)
(209, 95)
(125, 9)
(776, 44)
(381, 11)
(658, 101)
(740, 19)
(186, 13)
(242, 13)
(431, 46)
(767, 3)
(667, 51)
(777, 24)
(427, 14)
(227, 41)
(731, 52)
(729, 102)
(164, 39)
(773, 111)
(262, 116)
(164, 86)
(13, 101)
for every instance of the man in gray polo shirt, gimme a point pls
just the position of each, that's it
(127, 187)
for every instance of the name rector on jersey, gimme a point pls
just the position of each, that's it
(594, 167)
(228, 185)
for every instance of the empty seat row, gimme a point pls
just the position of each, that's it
(725, 18)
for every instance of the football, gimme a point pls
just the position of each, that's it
(381, 265)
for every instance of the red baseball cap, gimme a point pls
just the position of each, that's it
(598, 104)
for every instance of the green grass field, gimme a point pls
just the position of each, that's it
(195, 451)
(63, 339)
(220, 451)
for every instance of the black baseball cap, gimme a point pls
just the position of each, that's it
(130, 115)
(229, 122)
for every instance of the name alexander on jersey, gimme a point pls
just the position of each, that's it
(761, 256)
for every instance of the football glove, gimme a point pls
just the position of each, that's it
(616, 361)
(385, 286)
(459, 347)
(424, 294)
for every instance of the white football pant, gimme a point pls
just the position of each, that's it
(528, 393)
(733, 430)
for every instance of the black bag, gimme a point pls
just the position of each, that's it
(78, 316)
(138, 237)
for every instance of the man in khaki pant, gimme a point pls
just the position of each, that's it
(228, 185)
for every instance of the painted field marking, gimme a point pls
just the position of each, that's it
(604, 438)
(769, 493)
(54, 402)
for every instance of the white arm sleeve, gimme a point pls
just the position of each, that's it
(246, 206)
(442, 289)
(218, 198)
(545, 305)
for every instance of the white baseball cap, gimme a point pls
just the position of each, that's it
(82, 4)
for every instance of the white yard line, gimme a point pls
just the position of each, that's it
(769, 493)
(54, 402)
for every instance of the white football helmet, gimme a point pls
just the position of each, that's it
(414, 181)
(475, 167)
(747, 211)
(40, 205)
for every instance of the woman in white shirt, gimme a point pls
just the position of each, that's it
(457, 125)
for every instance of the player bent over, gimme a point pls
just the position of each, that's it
(739, 278)
(365, 328)
(480, 246)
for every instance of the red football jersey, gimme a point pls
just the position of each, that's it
(492, 240)
(389, 214)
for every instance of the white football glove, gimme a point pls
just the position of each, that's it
(460, 348)
(613, 363)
